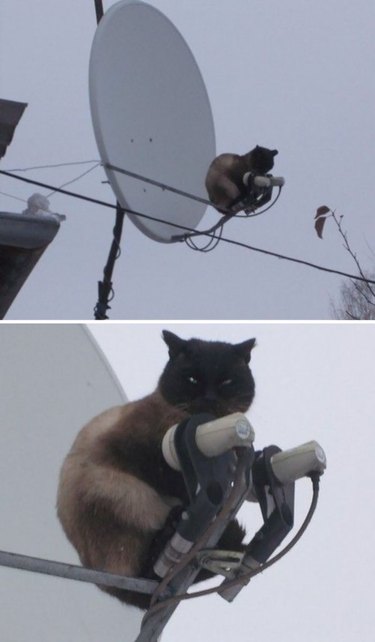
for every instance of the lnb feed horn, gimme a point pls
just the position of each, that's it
(213, 437)
(290, 465)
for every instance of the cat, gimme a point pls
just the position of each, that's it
(224, 180)
(116, 492)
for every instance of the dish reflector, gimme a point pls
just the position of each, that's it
(151, 115)
(54, 378)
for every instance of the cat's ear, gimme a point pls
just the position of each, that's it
(174, 343)
(244, 349)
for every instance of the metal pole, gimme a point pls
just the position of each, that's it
(99, 10)
(105, 290)
(72, 572)
(154, 621)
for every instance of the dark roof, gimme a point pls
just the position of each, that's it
(10, 114)
(23, 239)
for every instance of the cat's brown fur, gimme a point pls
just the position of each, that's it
(92, 484)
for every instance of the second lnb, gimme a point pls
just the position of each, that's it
(213, 438)
(290, 465)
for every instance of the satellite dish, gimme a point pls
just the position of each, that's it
(151, 115)
(54, 378)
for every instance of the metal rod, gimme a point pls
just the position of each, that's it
(99, 10)
(73, 572)
(186, 570)
(163, 186)
(105, 289)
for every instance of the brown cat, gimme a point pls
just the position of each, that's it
(224, 180)
(116, 491)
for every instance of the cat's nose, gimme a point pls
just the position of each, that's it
(210, 394)
(205, 404)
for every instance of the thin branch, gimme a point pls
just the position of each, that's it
(351, 252)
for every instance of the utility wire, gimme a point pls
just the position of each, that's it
(188, 229)
(55, 165)
(73, 180)
(16, 198)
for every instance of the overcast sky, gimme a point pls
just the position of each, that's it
(297, 77)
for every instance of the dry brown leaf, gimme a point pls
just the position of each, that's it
(320, 219)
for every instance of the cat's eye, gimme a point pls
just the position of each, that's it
(193, 380)
(226, 382)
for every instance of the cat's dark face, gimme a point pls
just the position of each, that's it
(262, 159)
(207, 376)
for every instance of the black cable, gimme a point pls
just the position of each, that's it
(243, 579)
(105, 288)
(231, 501)
(187, 229)
(219, 226)
(211, 230)
(261, 211)
(212, 243)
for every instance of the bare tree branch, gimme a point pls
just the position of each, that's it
(357, 299)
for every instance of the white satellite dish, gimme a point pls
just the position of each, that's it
(151, 115)
(53, 379)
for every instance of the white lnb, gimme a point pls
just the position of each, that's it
(290, 465)
(268, 181)
(213, 438)
(264, 181)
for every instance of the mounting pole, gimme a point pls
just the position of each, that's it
(105, 287)
(99, 10)
(105, 290)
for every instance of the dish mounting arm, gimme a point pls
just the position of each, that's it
(217, 487)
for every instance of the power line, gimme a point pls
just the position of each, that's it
(55, 165)
(16, 198)
(188, 229)
(73, 180)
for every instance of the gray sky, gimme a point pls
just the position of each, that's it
(297, 77)
(314, 381)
